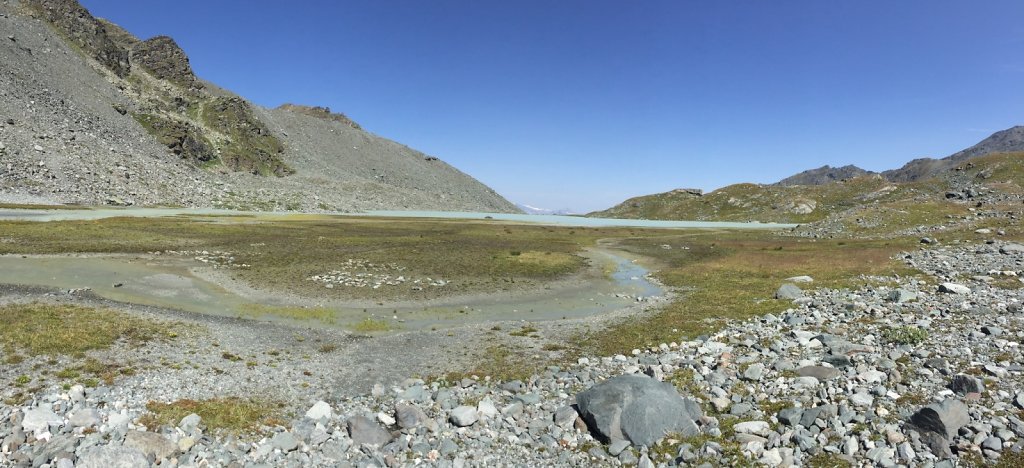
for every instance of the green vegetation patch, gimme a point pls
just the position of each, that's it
(182, 138)
(369, 325)
(250, 145)
(907, 335)
(319, 314)
(234, 415)
(469, 257)
(733, 276)
(49, 329)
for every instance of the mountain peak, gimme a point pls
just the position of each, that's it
(824, 175)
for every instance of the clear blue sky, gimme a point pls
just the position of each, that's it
(583, 103)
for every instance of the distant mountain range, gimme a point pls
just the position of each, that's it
(1004, 141)
(852, 196)
(543, 211)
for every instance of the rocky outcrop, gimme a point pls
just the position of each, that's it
(249, 144)
(182, 138)
(77, 25)
(164, 59)
(824, 175)
(1004, 141)
(321, 113)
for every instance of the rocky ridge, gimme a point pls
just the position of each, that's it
(90, 114)
(903, 372)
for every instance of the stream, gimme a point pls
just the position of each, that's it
(170, 282)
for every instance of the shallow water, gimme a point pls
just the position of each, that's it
(554, 220)
(168, 282)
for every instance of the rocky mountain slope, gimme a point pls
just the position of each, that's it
(91, 114)
(823, 175)
(981, 178)
(1004, 141)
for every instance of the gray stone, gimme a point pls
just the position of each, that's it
(790, 416)
(84, 418)
(837, 360)
(637, 408)
(901, 296)
(112, 456)
(464, 416)
(789, 292)
(566, 416)
(821, 373)
(754, 372)
(409, 416)
(1011, 249)
(943, 418)
(991, 330)
(190, 423)
(319, 410)
(953, 288)
(992, 443)
(759, 428)
(963, 384)
(617, 446)
(151, 444)
(805, 383)
(740, 409)
(364, 430)
(285, 441)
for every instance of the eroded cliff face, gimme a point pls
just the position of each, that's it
(78, 26)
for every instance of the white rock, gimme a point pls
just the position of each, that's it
(39, 420)
(771, 457)
(862, 399)
(464, 416)
(320, 410)
(486, 408)
(800, 279)
(807, 382)
(954, 288)
(872, 376)
(386, 419)
(760, 428)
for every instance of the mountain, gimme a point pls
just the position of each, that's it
(542, 211)
(1004, 141)
(824, 175)
(990, 173)
(91, 114)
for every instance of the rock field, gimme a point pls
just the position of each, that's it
(909, 371)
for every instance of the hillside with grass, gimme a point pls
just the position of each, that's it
(869, 201)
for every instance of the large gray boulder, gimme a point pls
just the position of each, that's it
(637, 408)
(789, 291)
(112, 456)
(944, 419)
(151, 443)
(364, 430)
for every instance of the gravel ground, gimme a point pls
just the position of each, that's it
(906, 372)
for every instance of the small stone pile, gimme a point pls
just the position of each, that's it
(357, 273)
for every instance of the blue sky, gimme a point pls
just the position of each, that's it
(584, 103)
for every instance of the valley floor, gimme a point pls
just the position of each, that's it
(898, 353)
